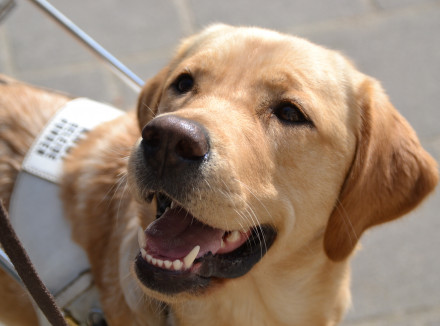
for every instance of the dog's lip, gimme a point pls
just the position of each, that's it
(209, 268)
(177, 234)
(186, 255)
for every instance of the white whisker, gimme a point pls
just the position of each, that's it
(256, 222)
(147, 107)
(347, 222)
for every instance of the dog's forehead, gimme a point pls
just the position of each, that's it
(260, 56)
(258, 68)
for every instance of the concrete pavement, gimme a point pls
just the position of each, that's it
(396, 277)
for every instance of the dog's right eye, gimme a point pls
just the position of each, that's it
(290, 113)
(184, 83)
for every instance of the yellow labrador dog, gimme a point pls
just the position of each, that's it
(237, 193)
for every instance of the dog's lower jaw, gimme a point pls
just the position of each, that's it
(285, 298)
(271, 301)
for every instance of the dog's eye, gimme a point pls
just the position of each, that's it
(184, 83)
(290, 113)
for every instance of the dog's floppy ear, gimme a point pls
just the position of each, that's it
(390, 175)
(149, 98)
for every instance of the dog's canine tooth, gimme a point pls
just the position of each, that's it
(173, 204)
(142, 239)
(177, 264)
(222, 243)
(166, 209)
(149, 258)
(233, 236)
(143, 253)
(167, 264)
(189, 259)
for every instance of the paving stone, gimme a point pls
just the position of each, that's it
(5, 67)
(277, 14)
(394, 4)
(36, 42)
(398, 270)
(420, 317)
(76, 83)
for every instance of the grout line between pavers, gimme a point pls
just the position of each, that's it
(93, 63)
(147, 56)
(113, 90)
(185, 15)
(52, 71)
(375, 5)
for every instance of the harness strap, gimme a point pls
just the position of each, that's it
(26, 270)
(37, 215)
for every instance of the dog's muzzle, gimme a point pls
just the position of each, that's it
(178, 252)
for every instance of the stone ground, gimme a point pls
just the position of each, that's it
(396, 277)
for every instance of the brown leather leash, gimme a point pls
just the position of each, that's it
(25, 269)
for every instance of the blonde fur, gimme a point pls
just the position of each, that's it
(320, 186)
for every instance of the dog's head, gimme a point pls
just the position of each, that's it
(253, 140)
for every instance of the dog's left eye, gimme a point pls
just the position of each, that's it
(290, 113)
(184, 83)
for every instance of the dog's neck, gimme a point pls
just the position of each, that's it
(279, 296)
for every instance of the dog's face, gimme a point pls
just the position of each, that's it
(254, 144)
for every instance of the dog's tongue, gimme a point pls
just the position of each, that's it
(177, 232)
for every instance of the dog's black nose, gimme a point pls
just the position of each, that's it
(174, 142)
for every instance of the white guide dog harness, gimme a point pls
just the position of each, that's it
(37, 215)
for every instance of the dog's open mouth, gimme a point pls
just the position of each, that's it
(179, 253)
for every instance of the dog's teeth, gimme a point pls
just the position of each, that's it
(222, 243)
(166, 210)
(189, 259)
(177, 264)
(142, 239)
(149, 258)
(233, 236)
(173, 204)
(167, 264)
